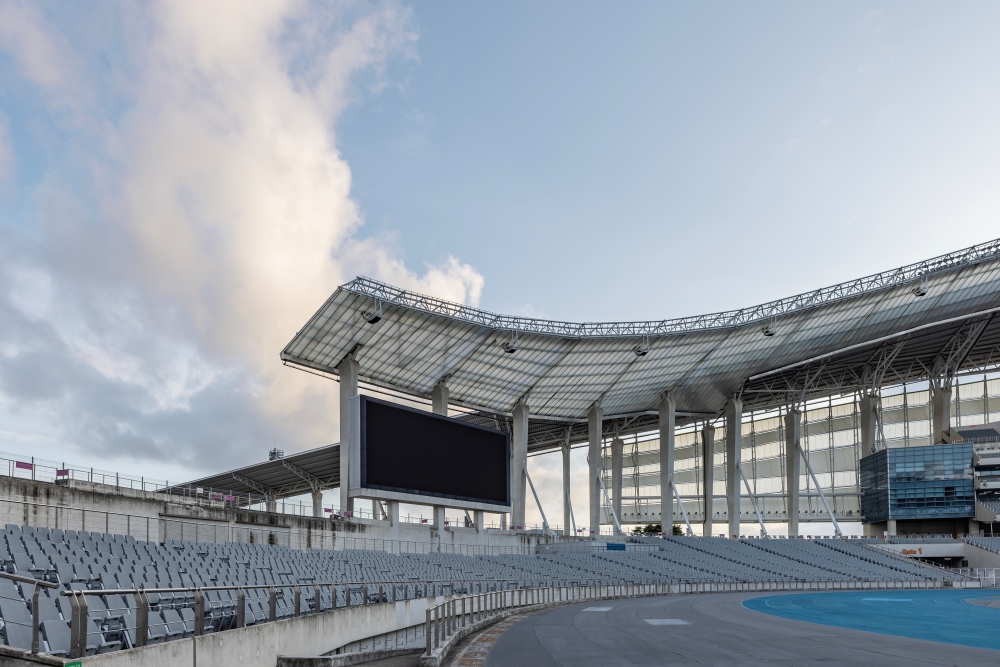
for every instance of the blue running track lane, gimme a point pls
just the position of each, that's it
(935, 615)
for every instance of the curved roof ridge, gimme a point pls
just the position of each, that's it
(911, 273)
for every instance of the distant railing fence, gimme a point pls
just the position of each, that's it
(449, 621)
(987, 576)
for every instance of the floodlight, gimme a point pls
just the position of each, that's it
(511, 347)
(642, 349)
(374, 315)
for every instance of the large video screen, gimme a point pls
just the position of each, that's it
(411, 451)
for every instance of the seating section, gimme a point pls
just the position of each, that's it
(719, 558)
(992, 502)
(988, 543)
(96, 561)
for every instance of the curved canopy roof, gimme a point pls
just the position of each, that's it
(942, 306)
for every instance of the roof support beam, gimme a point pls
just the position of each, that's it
(272, 494)
(315, 483)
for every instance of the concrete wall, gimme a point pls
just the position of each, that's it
(151, 516)
(928, 550)
(260, 645)
(979, 557)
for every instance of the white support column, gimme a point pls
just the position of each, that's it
(668, 411)
(567, 507)
(734, 449)
(708, 476)
(940, 411)
(393, 512)
(439, 399)
(348, 370)
(518, 461)
(793, 469)
(595, 419)
(478, 520)
(317, 503)
(617, 460)
(868, 421)
(439, 513)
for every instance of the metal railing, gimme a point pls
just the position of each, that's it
(220, 608)
(987, 576)
(910, 274)
(451, 620)
(41, 470)
(38, 586)
(444, 622)
(151, 615)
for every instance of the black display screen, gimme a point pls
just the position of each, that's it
(411, 451)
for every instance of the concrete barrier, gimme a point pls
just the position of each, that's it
(260, 645)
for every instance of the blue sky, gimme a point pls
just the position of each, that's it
(182, 184)
(596, 161)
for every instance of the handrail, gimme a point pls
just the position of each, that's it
(453, 619)
(188, 589)
(501, 591)
(28, 580)
(39, 585)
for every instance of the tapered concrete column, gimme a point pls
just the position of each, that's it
(940, 413)
(567, 511)
(868, 421)
(439, 399)
(348, 370)
(708, 475)
(617, 459)
(439, 517)
(272, 505)
(668, 411)
(479, 520)
(793, 466)
(595, 419)
(734, 449)
(317, 502)
(393, 512)
(518, 460)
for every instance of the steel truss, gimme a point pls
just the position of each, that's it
(917, 274)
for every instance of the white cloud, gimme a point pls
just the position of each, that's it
(41, 52)
(218, 219)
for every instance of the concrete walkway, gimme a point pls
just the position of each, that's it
(708, 629)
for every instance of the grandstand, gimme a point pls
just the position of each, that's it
(113, 568)
(870, 401)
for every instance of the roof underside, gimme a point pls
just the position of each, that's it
(830, 340)
(292, 475)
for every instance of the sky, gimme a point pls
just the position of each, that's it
(182, 184)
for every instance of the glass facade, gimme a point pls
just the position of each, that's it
(934, 482)
(830, 438)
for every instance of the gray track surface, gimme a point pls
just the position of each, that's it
(721, 633)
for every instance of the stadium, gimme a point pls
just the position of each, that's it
(814, 476)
